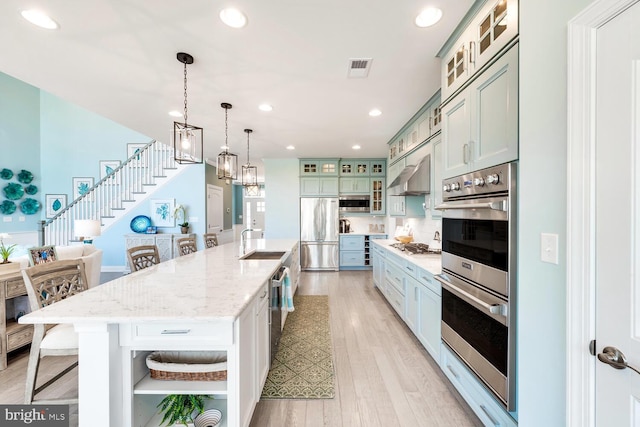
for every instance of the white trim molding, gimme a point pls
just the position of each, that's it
(581, 122)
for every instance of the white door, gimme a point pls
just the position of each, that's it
(617, 229)
(215, 209)
(254, 209)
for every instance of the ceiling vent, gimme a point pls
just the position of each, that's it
(359, 67)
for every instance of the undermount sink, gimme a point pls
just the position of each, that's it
(263, 255)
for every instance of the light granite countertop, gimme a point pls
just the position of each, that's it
(430, 262)
(209, 284)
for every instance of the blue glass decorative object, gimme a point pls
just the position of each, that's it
(31, 189)
(7, 207)
(13, 191)
(6, 173)
(29, 206)
(25, 177)
(140, 223)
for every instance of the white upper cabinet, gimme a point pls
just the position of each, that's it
(490, 30)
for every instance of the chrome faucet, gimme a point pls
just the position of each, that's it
(243, 239)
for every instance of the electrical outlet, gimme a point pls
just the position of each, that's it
(7, 219)
(549, 248)
(193, 219)
(21, 219)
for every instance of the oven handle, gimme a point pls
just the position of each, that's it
(495, 206)
(491, 309)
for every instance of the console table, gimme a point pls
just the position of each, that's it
(12, 334)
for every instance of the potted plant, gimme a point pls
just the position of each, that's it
(180, 214)
(5, 251)
(181, 409)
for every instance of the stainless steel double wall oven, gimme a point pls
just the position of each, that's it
(479, 275)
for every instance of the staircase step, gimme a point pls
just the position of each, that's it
(153, 184)
(130, 201)
(118, 209)
(106, 216)
(138, 192)
(159, 176)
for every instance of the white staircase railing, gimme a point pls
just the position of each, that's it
(112, 194)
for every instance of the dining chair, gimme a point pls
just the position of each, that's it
(141, 257)
(47, 284)
(210, 240)
(186, 245)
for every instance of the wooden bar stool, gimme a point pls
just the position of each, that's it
(186, 245)
(210, 240)
(144, 256)
(47, 284)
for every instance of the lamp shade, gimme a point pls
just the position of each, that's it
(86, 228)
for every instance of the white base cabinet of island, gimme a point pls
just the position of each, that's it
(246, 342)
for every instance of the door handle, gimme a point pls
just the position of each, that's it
(615, 358)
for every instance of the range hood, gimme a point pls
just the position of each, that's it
(414, 180)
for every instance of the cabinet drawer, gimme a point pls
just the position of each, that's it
(426, 278)
(490, 412)
(411, 270)
(352, 258)
(396, 300)
(19, 337)
(159, 334)
(352, 243)
(15, 287)
(394, 277)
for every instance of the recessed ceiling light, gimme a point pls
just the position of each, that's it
(375, 112)
(356, 147)
(175, 113)
(265, 107)
(290, 147)
(428, 17)
(39, 18)
(233, 17)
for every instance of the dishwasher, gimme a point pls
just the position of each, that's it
(275, 309)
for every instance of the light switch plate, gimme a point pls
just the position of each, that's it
(6, 219)
(549, 248)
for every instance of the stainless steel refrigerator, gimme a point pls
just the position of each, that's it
(319, 234)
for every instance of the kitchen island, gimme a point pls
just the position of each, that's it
(206, 301)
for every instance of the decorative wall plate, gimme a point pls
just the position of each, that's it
(31, 189)
(29, 206)
(13, 191)
(6, 173)
(25, 176)
(140, 224)
(7, 207)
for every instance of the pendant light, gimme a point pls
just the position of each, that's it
(187, 139)
(227, 162)
(249, 173)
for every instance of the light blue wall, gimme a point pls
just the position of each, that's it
(186, 189)
(542, 208)
(74, 140)
(282, 199)
(19, 145)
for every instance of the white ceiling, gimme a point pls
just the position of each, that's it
(118, 59)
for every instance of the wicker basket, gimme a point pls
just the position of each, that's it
(188, 365)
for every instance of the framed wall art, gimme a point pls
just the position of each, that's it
(81, 186)
(162, 212)
(108, 166)
(135, 150)
(54, 203)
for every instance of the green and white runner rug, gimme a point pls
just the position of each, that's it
(303, 365)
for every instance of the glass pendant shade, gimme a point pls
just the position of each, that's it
(227, 165)
(249, 175)
(187, 143)
(187, 139)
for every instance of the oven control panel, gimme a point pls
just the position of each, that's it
(493, 180)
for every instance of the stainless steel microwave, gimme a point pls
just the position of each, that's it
(354, 204)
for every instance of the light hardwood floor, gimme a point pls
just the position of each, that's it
(384, 377)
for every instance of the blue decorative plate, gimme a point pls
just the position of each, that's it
(13, 191)
(6, 173)
(7, 207)
(140, 223)
(31, 189)
(29, 206)
(25, 176)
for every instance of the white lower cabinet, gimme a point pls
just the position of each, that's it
(411, 304)
(490, 412)
(430, 313)
(246, 341)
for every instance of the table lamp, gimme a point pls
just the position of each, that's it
(86, 229)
